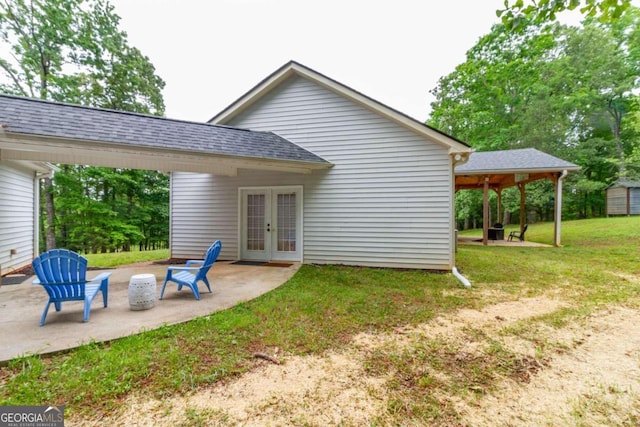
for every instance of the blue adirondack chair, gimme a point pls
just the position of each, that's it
(63, 274)
(195, 271)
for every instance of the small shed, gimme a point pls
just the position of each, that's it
(623, 198)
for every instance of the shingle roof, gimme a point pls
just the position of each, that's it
(526, 159)
(51, 119)
(625, 184)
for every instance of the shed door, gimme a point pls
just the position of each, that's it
(271, 226)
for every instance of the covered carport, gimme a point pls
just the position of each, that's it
(497, 170)
(33, 130)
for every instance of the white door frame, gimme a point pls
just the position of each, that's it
(270, 250)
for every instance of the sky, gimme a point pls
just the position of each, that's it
(210, 53)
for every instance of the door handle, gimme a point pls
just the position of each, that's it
(268, 227)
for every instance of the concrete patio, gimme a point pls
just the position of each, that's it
(21, 306)
(477, 241)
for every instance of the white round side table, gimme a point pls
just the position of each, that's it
(142, 291)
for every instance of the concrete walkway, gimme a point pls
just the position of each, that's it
(21, 307)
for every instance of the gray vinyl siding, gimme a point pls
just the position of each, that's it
(386, 202)
(16, 216)
(634, 201)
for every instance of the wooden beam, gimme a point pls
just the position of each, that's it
(523, 198)
(499, 208)
(485, 212)
(557, 210)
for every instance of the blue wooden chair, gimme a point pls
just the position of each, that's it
(63, 274)
(195, 271)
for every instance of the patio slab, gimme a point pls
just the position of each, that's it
(21, 306)
(477, 240)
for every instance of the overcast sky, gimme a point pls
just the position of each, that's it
(211, 52)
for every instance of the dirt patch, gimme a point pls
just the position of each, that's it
(593, 381)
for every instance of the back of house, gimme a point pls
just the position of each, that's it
(385, 198)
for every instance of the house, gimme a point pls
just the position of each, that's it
(19, 193)
(623, 198)
(300, 168)
(385, 197)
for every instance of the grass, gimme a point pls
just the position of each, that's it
(109, 260)
(322, 308)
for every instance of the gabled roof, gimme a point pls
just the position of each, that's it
(526, 160)
(624, 183)
(33, 118)
(508, 168)
(293, 68)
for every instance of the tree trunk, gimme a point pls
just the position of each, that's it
(615, 123)
(506, 217)
(50, 227)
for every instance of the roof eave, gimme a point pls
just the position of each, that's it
(515, 171)
(37, 148)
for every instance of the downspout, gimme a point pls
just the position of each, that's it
(558, 213)
(459, 159)
(465, 282)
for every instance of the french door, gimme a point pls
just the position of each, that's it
(271, 223)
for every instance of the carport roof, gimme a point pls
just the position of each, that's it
(508, 168)
(26, 117)
(513, 161)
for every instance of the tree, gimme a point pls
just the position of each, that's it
(566, 91)
(516, 14)
(108, 209)
(72, 51)
(498, 98)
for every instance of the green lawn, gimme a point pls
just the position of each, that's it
(322, 308)
(121, 258)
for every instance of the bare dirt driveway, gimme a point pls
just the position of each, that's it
(593, 381)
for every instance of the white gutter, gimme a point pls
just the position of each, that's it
(465, 282)
(558, 213)
(459, 159)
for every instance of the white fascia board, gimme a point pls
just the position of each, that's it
(59, 150)
(513, 171)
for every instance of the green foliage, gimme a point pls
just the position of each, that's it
(103, 209)
(73, 51)
(516, 13)
(570, 92)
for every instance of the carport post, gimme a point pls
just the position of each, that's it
(557, 217)
(485, 212)
(523, 198)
